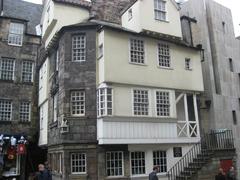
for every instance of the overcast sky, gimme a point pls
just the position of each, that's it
(234, 5)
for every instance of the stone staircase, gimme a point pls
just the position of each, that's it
(189, 166)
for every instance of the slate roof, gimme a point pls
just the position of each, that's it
(109, 10)
(81, 3)
(23, 10)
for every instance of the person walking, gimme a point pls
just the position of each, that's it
(221, 175)
(43, 174)
(153, 174)
(231, 174)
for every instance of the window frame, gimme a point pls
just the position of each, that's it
(11, 110)
(149, 101)
(145, 166)
(41, 117)
(171, 105)
(144, 51)
(100, 51)
(130, 14)
(160, 11)
(160, 165)
(71, 105)
(32, 72)
(105, 102)
(169, 56)
(189, 67)
(55, 107)
(85, 47)
(16, 34)
(85, 160)
(114, 167)
(29, 111)
(13, 68)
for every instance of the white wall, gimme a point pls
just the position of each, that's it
(123, 100)
(118, 69)
(144, 18)
(43, 136)
(58, 19)
(43, 82)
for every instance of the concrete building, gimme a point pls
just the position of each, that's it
(19, 43)
(115, 100)
(210, 24)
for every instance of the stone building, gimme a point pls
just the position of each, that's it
(19, 45)
(114, 91)
(211, 25)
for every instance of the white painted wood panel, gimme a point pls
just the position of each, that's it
(139, 132)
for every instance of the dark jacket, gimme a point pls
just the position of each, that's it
(44, 175)
(231, 175)
(220, 177)
(153, 176)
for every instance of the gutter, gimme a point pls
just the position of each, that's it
(1, 14)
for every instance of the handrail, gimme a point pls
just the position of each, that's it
(184, 161)
(213, 141)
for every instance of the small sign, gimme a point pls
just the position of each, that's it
(177, 152)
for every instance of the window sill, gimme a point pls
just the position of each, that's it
(139, 176)
(25, 122)
(188, 69)
(28, 83)
(116, 177)
(78, 61)
(7, 81)
(5, 122)
(160, 20)
(78, 116)
(16, 45)
(139, 64)
(166, 68)
(78, 176)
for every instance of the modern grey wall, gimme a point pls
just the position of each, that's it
(214, 30)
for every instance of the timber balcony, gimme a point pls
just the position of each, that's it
(201, 153)
(183, 128)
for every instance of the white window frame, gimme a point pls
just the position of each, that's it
(130, 14)
(16, 34)
(160, 11)
(11, 107)
(71, 103)
(41, 117)
(85, 160)
(160, 157)
(27, 72)
(145, 167)
(29, 111)
(60, 162)
(100, 51)
(107, 168)
(104, 111)
(79, 49)
(171, 101)
(57, 60)
(188, 64)
(55, 107)
(149, 101)
(13, 68)
(170, 106)
(164, 56)
(144, 51)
